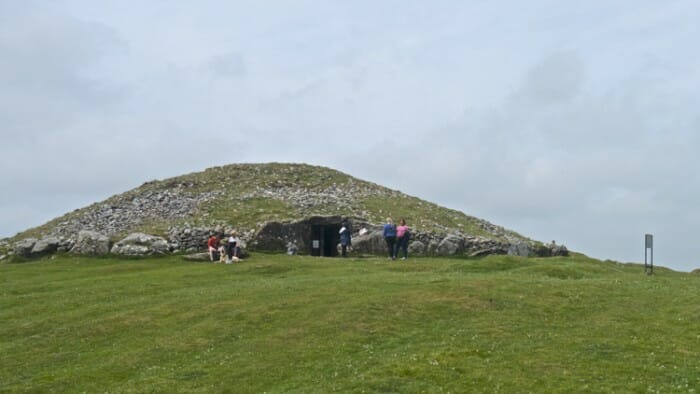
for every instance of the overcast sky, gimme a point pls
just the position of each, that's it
(572, 121)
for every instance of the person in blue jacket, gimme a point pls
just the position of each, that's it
(390, 237)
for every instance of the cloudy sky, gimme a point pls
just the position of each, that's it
(565, 121)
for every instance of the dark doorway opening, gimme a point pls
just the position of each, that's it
(325, 239)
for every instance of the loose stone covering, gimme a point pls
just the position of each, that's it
(124, 212)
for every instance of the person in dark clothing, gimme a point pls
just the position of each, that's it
(345, 237)
(390, 238)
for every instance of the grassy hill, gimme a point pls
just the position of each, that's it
(248, 195)
(278, 323)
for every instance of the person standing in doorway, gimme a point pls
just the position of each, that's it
(390, 238)
(402, 237)
(345, 237)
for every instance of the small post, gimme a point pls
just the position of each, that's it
(649, 252)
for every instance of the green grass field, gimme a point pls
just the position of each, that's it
(279, 323)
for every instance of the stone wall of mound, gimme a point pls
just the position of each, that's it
(367, 239)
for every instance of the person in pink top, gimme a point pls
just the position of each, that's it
(402, 237)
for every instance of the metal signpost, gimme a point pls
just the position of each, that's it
(649, 252)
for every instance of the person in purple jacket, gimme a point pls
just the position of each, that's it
(390, 238)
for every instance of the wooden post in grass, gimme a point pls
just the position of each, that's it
(649, 251)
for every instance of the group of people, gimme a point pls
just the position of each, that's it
(396, 238)
(221, 251)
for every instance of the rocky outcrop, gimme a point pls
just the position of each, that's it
(140, 244)
(91, 243)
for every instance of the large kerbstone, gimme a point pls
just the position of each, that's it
(91, 243)
(140, 244)
(416, 247)
(371, 242)
(519, 249)
(451, 245)
(24, 247)
(45, 246)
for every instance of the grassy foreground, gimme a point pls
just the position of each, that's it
(280, 323)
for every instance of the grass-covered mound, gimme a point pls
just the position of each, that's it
(249, 195)
(280, 323)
